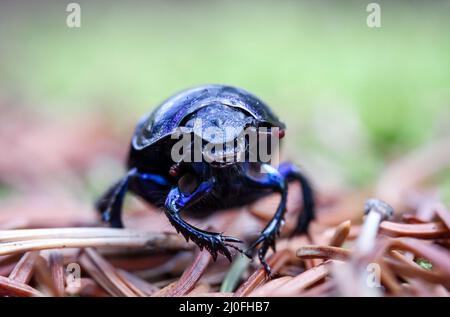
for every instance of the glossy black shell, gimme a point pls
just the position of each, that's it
(164, 120)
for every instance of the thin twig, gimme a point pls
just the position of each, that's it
(138, 285)
(432, 230)
(323, 252)
(16, 241)
(340, 234)
(275, 261)
(23, 271)
(191, 275)
(303, 280)
(109, 275)
(57, 270)
(9, 287)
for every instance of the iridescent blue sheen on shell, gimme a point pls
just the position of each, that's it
(166, 118)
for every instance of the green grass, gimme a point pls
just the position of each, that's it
(306, 59)
(425, 264)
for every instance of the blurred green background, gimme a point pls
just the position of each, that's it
(353, 97)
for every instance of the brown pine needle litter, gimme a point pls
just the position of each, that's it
(409, 258)
(51, 244)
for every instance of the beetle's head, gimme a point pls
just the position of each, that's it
(219, 133)
(224, 135)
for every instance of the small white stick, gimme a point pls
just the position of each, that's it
(366, 240)
(376, 211)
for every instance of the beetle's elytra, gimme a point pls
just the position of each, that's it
(215, 181)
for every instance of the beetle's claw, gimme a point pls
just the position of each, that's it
(250, 252)
(266, 240)
(272, 245)
(235, 247)
(267, 268)
(231, 239)
(223, 249)
(216, 243)
(262, 257)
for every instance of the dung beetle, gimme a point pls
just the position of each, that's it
(210, 183)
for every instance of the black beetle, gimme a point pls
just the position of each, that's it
(206, 185)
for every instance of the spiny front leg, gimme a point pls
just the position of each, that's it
(271, 178)
(213, 242)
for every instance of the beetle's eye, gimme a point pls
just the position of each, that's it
(188, 183)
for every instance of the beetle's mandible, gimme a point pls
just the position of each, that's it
(215, 181)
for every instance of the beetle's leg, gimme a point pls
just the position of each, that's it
(293, 173)
(110, 204)
(271, 179)
(212, 241)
